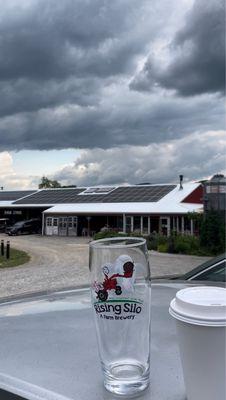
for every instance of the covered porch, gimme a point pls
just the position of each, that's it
(87, 225)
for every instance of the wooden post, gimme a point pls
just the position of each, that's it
(141, 224)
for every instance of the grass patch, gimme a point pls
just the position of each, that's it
(17, 257)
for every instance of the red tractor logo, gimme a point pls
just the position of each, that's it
(110, 282)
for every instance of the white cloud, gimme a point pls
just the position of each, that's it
(196, 156)
(10, 179)
(6, 163)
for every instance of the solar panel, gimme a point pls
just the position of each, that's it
(98, 190)
(51, 196)
(139, 193)
(14, 194)
(121, 194)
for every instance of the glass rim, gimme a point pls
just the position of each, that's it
(100, 243)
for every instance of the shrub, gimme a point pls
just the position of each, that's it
(108, 234)
(163, 248)
(171, 242)
(152, 242)
(162, 239)
(181, 245)
(211, 241)
(212, 233)
(185, 244)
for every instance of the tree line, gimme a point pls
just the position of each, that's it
(47, 183)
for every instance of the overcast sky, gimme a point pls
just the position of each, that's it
(103, 92)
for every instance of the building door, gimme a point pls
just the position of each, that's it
(164, 225)
(72, 226)
(63, 226)
(51, 226)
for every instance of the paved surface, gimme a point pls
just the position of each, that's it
(58, 262)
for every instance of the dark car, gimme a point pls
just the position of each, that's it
(25, 227)
(213, 270)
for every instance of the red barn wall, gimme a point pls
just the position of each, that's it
(195, 197)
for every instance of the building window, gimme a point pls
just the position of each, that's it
(222, 189)
(120, 223)
(129, 224)
(49, 221)
(137, 223)
(187, 225)
(145, 229)
(63, 222)
(55, 221)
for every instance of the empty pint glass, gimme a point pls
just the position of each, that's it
(120, 294)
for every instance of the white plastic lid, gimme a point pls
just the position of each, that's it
(205, 305)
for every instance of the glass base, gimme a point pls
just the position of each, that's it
(126, 379)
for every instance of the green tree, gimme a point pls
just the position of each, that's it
(69, 186)
(212, 232)
(48, 183)
(197, 219)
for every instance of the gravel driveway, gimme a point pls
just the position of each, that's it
(58, 262)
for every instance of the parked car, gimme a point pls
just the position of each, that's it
(213, 270)
(25, 227)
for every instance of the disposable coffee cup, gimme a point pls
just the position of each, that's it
(200, 314)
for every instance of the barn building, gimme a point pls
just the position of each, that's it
(81, 211)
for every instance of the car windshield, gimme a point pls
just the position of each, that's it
(18, 224)
(215, 274)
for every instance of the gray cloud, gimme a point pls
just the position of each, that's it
(25, 95)
(65, 69)
(53, 40)
(55, 54)
(197, 52)
(117, 121)
(194, 156)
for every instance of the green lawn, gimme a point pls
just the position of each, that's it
(17, 257)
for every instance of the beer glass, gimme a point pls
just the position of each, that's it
(120, 293)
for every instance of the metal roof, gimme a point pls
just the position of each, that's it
(51, 196)
(147, 193)
(123, 194)
(170, 203)
(11, 195)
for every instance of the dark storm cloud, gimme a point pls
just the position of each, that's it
(54, 39)
(198, 55)
(65, 68)
(111, 124)
(29, 95)
(55, 53)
